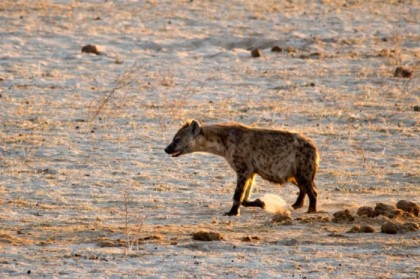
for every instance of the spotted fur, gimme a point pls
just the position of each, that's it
(275, 155)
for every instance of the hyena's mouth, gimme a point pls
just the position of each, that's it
(176, 153)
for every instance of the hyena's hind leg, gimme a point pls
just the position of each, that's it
(302, 194)
(313, 196)
(307, 187)
(307, 165)
(300, 199)
(248, 192)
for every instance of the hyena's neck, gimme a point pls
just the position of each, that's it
(212, 140)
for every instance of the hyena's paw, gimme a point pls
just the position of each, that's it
(231, 213)
(260, 203)
(297, 205)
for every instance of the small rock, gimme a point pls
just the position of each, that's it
(90, 49)
(316, 54)
(281, 217)
(153, 237)
(290, 49)
(386, 210)
(256, 52)
(343, 216)
(207, 236)
(362, 229)
(401, 72)
(366, 229)
(409, 207)
(416, 108)
(313, 55)
(355, 229)
(105, 242)
(385, 53)
(409, 227)
(276, 49)
(389, 228)
(246, 239)
(365, 211)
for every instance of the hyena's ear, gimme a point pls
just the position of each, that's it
(195, 128)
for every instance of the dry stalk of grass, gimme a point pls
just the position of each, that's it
(132, 238)
(123, 80)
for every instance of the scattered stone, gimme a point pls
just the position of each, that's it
(354, 229)
(366, 229)
(409, 227)
(249, 238)
(365, 211)
(256, 52)
(153, 237)
(46, 171)
(106, 242)
(389, 228)
(290, 49)
(313, 55)
(313, 218)
(316, 54)
(362, 229)
(386, 210)
(91, 49)
(386, 53)
(281, 216)
(343, 216)
(401, 72)
(409, 207)
(276, 49)
(207, 236)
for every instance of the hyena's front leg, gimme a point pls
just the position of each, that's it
(248, 192)
(239, 195)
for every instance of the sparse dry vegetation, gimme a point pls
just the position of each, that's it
(85, 187)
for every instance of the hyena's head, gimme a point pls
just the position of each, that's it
(184, 140)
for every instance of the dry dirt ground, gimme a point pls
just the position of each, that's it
(87, 191)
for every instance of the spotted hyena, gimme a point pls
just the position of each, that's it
(277, 156)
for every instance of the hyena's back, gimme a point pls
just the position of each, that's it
(279, 156)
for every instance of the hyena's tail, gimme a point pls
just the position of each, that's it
(275, 204)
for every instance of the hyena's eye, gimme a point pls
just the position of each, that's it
(177, 140)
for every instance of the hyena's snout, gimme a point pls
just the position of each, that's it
(171, 150)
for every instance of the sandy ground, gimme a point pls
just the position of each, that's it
(87, 191)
